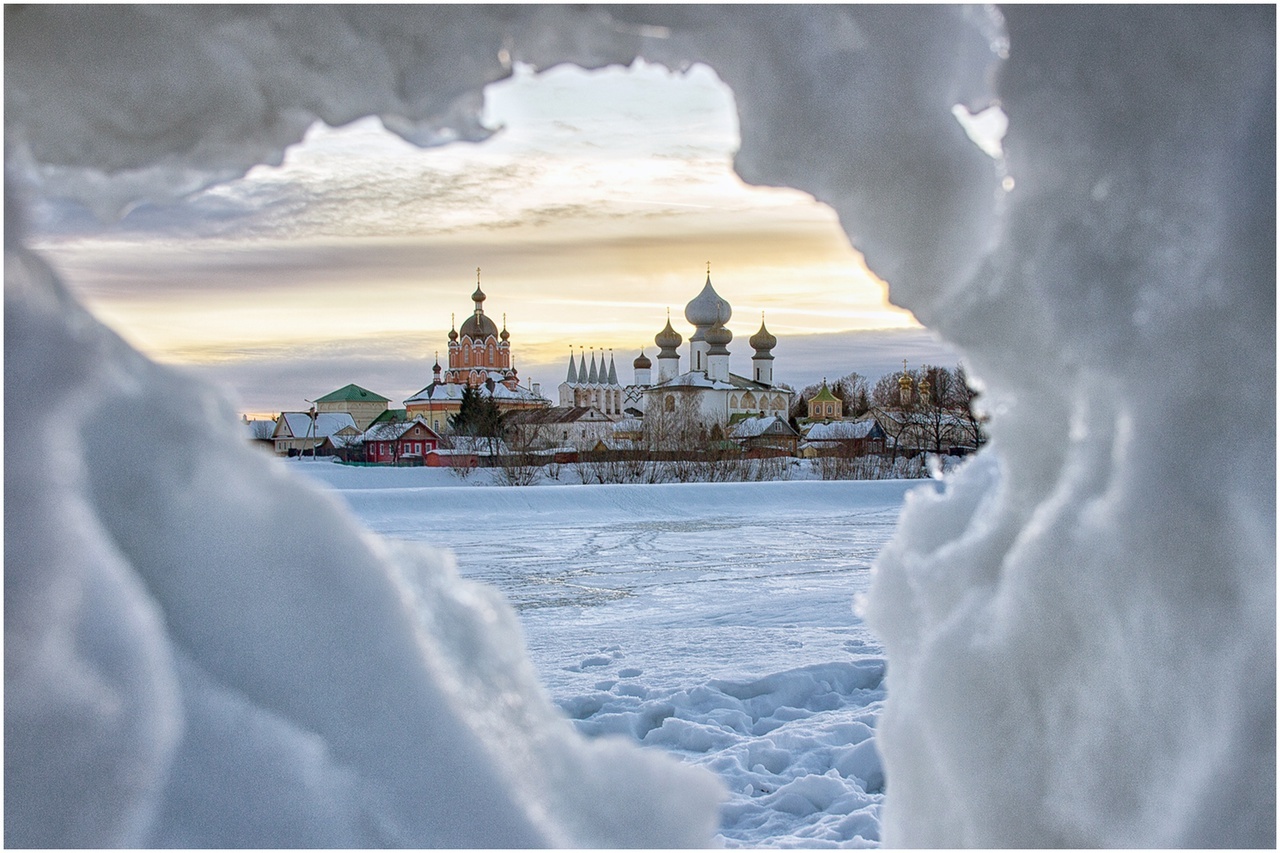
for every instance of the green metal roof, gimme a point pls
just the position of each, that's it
(824, 395)
(352, 394)
(391, 416)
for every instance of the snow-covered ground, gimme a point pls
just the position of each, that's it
(715, 621)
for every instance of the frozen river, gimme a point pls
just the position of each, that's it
(713, 620)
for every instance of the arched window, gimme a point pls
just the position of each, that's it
(733, 401)
(748, 400)
(669, 404)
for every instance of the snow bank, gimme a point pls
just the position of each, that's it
(1081, 630)
(1046, 618)
(202, 651)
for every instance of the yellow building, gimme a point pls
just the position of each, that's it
(363, 405)
(825, 406)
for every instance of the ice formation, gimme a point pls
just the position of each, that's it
(1081, 629)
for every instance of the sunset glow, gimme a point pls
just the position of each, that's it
(592, 211)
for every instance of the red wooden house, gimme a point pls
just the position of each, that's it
(402, 443)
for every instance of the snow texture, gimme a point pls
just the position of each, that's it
(1080, 630)
(709, 620)
(208, 654)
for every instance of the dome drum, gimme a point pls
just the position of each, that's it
(718, 337)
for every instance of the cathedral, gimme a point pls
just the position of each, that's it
(707, 391)
(479, 358)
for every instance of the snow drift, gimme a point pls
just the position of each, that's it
(1080, 630)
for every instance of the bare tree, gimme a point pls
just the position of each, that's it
(464, 471)
(970, 421)
(673, 434)
(887, 392)
(935, 410)
(515, 458)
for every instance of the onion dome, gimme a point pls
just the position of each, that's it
(506, 336)
(718, 336)
(904, 381)
(762, 341)
(707, 308)
(478, 326)
(642, 362)
(668, 340)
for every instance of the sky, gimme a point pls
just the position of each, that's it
(593, 210)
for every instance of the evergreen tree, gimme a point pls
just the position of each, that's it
(477, 416)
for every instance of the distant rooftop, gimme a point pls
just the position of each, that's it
(352, 394)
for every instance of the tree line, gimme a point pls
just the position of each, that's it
(936, 412)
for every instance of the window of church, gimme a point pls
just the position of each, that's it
(669, 404)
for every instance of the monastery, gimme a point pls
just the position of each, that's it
(591, 397)
(707, 391)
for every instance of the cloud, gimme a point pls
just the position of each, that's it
(591, 213)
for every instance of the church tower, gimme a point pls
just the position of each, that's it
(642, 366)
(478, 350)
(718, 338)
(762, 361)
(668, 357)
